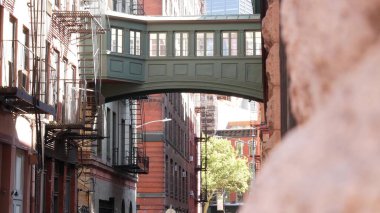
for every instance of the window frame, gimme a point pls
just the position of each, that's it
(118, 47)
(205, 50)
(157, 52)
(183, 48)
(256, 49)
(135, 46)
(229, 48)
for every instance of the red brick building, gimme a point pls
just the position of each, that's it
(246, 139)
(171, 148)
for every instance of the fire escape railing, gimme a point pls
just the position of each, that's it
(135, 159)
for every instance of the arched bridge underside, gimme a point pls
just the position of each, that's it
(213, 54)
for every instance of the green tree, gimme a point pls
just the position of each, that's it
(226, 172)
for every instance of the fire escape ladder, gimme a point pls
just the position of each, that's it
(202, 160)
(87, 28)
(136, 158)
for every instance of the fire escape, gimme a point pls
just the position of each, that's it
(84, 131)
(135, 159)
(202, 159)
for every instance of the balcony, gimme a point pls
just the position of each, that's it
(137, 162)
(18, 92)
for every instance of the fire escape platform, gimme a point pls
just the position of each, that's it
(135, 168)
(20, 101)
(76, 22)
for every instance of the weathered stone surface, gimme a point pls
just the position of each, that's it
(330, 162)
(271, 24)
(273, 64)
(273, 109)
(271, 36)
(323, 40)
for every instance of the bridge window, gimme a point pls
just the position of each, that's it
(116, 40)
(181, 44)
(229, 43)
(205, 44)
(134, 42)
(157, 43)
(252, 43)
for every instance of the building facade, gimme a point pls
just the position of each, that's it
(246, 139)
(228, 7)
(43, 108)
(172, 149)
(158, 7)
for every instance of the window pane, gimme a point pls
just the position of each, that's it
(153, 44)
(234, 44)
(177, 44)
(132, 42)
(120, 41)
(248, 43)
(113, 40)
(258, 43)
(200, 44)
(210, 44)
(185, 44)
(162, 47)
(138, 45)
(225, 47)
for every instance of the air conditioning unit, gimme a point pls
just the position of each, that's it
(191, 193)
(191, 158)
(183, 174)
(175, 168)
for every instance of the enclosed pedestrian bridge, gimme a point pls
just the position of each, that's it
(213, 54)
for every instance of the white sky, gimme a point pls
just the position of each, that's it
(237, 109)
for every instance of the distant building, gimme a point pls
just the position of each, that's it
(228, 7)
(172, 151)
(246, 140)
(158, 7)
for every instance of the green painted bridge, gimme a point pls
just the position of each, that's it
(213, 54)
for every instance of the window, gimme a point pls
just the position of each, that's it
(119, 5)
(116, 40)
(251, 147)
(157, 43)
(115, 148)
(229, 40)
(11, 47)
(53, 77)
(205, 44)
(122, 142)
(252, 43)
(239, 148)
(181, 46)
(134, 42)
(108, 133)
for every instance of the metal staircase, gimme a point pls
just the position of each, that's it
(136, 160)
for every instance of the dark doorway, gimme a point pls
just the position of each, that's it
(106, 206)
(122, 207)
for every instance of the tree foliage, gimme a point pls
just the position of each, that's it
(225, 170)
